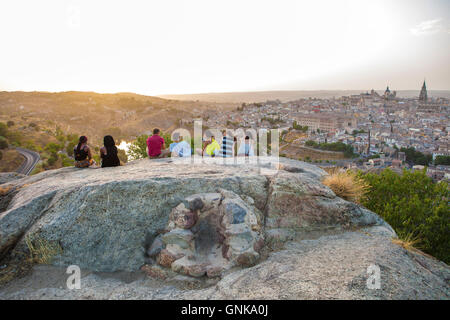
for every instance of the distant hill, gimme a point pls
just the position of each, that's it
(259, 96)
(124, 115)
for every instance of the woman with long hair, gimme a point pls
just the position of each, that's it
(82, 153)
(108, 153)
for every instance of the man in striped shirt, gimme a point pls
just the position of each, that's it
(227, 145)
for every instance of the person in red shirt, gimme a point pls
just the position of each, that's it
(156, 146)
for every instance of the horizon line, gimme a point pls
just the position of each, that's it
(214, 92)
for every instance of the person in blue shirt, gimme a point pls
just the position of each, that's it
(172, 145)
(246, 148)
(180, 148)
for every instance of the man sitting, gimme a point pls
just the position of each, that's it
(246, 148)
(227, 145)
(156, 146)
(180, 148)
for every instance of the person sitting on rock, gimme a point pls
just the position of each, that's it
(82, 154)
(181, 148)
(213, 148)
(201, 151)
(246, 148)
(156, 146)
(108, 153)
(227, 145)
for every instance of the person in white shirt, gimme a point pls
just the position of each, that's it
(181, 148)
(246, 148)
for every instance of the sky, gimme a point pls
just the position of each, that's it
(196, 46)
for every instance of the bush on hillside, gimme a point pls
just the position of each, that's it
(138, 148)
(413, 205)
(53, 147)
(3, 129)
(52, 159)
(3, 143)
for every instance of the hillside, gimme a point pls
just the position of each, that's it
(166, 230)
(50, 123)
(123, 115)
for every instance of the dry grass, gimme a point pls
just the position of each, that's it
(4, 190)
(411, 243)
(347, 185)
(11, 160)
(41, 250)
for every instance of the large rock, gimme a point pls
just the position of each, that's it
(107, 219)
(329, 267)
(10, 176)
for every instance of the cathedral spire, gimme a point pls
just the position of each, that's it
(423, 93)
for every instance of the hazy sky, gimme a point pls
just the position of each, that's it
(190, 46)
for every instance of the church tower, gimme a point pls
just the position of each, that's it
(423, 93)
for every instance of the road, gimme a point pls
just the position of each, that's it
(31, 159)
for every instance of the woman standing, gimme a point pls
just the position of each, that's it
(82, 153)
(108, 153)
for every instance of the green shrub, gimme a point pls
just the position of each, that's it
(138, 147)
(299, 127)
(29, 144)
(70, 146)
(416, 157)
(413, 205)
(3, 129)
(3, 143)
(53, 147)
(442, 160)
(15, 138)
(52, 159)
(66, 161)
(335, 146)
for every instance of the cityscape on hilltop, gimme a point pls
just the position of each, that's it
(377, 126)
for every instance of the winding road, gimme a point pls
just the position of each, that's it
(31, 159)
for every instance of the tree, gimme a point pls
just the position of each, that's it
(52, 147)
(413, 205)
(53, 158)
(416, 157)
(138, 148)
(442, 160)
(296, 126)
